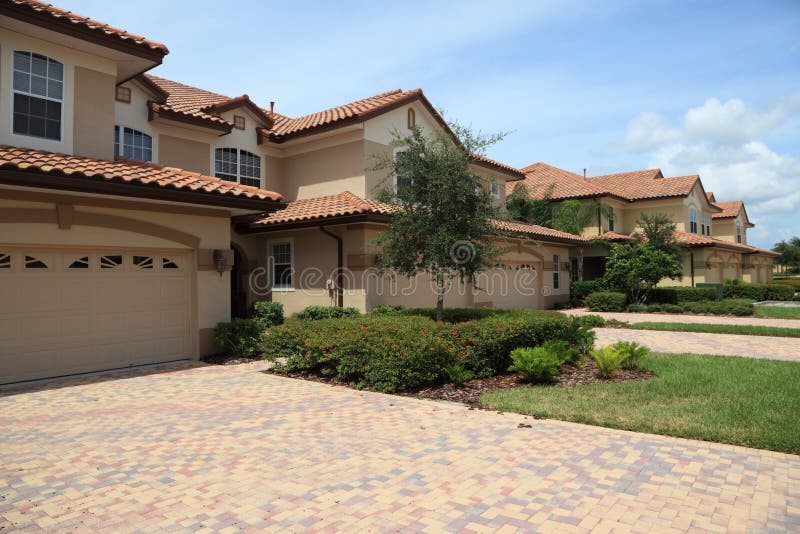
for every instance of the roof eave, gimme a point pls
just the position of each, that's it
(256, 228)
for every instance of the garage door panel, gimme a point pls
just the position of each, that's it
(66, 319)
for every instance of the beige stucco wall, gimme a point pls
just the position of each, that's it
(134, 115)
(326, 171)
(93, 125)
(184, 153)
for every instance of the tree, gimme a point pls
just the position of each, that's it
(572, 216)
(637, 268)
(443, 223)
(789, 251)
(659, 231)
(521, 206)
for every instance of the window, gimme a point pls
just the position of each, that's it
(38, 95)
(282, 266)
(123, 94)
(132, 144)
(738, 233)
(236, 165)
(574, 269)
(34, 263)
(400, 181)
(167, 263)
(612, 220)
(79, 263)
(238, 122)
(705, 227)
(5, 261)
(142, 262)
(708, 225)
(693, 220)
(412, 119)
(556, 272)
(111, 262)
(495, 189)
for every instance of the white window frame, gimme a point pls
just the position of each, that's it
(612, 219)
(29, 94)
(556, 272)
(693, 220)
(271, 257)
(395, 152)
(119, 137)
(494, 189)
(739, 234)
(238, 173)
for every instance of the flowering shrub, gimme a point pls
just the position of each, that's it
(401, 353)
(327, 312)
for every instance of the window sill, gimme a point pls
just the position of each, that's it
(283, 289)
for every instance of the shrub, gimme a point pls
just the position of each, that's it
(608, 301)
(679, 295)
(580, 289)
(486, 344)
(758, 292)
(608, 361)
(632, 353)
(539, 364)
(739, 307)
(591, 321)
(239, 338)
(638, 308)
(269, 312)
(579, 337)
(454, 315)
(796, 298)
(456, 374)
(386, 308)
(316, 313)
(672, 308)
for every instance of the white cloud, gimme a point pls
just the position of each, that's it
(724, 143)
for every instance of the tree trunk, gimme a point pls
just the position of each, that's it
(439, 298)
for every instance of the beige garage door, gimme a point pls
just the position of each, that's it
(73, 311)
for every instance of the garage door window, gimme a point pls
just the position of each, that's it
(5, 261)
(143, 262)
(80, 263)
(111, 262)
(167, 263)
(34, 263)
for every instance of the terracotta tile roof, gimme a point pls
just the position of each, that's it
(614, 236)
(126, 171)
(541, 178)
(347, 203)
(187, 101)
(360, 109)
(642, 185)
(58, 15)
(694, 240)
(730, 209)
(538, 232)
(339, 205)
(483, 160)
(710, 197)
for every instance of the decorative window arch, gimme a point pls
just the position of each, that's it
(236, 165)
(132, 143)
(38, 94)
(693, 220)
(412, 118)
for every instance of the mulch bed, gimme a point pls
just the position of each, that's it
(571, 375)
(222, 359)
(469, 393)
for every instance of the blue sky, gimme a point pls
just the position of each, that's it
(696, 87)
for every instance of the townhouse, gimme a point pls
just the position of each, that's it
(714, 233)
(137, 212)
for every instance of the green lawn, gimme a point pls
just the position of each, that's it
(745, 330)
(742, 401)
(778, 312)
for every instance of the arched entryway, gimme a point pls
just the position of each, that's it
(239, 306)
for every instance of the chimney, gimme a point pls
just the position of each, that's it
(584, 174)
(272, 107)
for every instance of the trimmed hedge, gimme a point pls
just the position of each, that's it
(739, 307)
(580, 289)
(758, 292)
(316, 313)
(453, 315)
(679, 295)
(404, 353)
(270, 312)
(239, 338)
(606, 301)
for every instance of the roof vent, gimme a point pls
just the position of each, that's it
(272, 107)
(584, 174)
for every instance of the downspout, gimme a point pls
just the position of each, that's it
(339, 265)
(691, 265)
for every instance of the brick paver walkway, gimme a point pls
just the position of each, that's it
(766, 347)
(680, 318)
(230, 448)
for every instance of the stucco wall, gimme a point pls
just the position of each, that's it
(93, 126)
(326, 171)
(184, 154)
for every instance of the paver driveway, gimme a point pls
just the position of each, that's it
(228, 448)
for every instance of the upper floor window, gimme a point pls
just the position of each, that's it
(705, 227)
(738, 233)
(412, 119)
(235, 165)
(612, 220)
(495, 188)
(38, 95)
(123, 94)
(693, 220)
(132, 144)
(238, 122)
(401, 181)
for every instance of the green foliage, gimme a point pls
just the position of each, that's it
(658, 231)
(269, 312)
(778, 312)
(591, 321)
(606, 301)
(315, 313)
(738, 329)
(443, 223)
(635, 269)
(454, 315)
(572, 216)
(522, 206)
(538, 364)
(679, 295)
(739, 307)
(608, 360)
(789, 251)
(239, 338)
(632, 353)
(579, 289)
(386, 308)
(456, 374)
(579, 336)
(757, 292)
(672, 308)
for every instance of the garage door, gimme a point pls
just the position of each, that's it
(73, 311)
